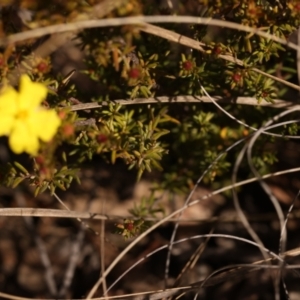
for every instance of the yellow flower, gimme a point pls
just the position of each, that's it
(23, 119)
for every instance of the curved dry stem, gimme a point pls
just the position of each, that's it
(243, 218)
(235, 198)
(199, 180)
(202, 236)
(254, 266)
(277, 103)
(275, 202)
(13, 297)
(186, 41)
(260, 180)
(236, 203)
(167, 34)
(140, 237)
(239, 121)
(78, 219)
(72, 264)
(112, 22)
(58, 213)
(286, 220)
(44, 256)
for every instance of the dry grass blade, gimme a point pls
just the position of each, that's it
(156, 225)
(167, 34)
(298, 56)
(277, 103)
(35, 33)
(58, 213)
(49, 272)
(54, 213)
(74, 257)
(186, 41)
(231, 274)
(192, 261)
(102, 250)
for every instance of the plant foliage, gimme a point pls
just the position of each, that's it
(179, 141)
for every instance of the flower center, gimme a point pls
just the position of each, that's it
(22, 114)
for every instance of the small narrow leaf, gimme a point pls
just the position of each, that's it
(21, 168)
(17, 181)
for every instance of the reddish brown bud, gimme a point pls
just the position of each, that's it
(129, 226)
(236, 77)
(62, 114)
(101, 138)
(187, 65)
(39, 160)
(134, 73)
(42, 67)
(217, 50)
(68, 130)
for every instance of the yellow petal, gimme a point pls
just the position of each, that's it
(44, 124)
(8, 109)
(32, 146)
(6, 124)
(31, 93)
(22, 140)
(8, 101)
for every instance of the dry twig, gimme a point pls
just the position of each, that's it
(277, 103)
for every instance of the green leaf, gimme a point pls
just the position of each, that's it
(43, 187)
(21, 168)
(157, 135)
(17, 181)
(37, 191)
(113, 156)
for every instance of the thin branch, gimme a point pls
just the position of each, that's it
(228, 272)
(78, 219)
(57, 213)
(161, 32)
(51, 213)
(201, 177)
(80, 25)
(156, 225)
(298, 55)
(287, 83)
(102, 252)
(203, 236)
(13, 297)
(45, 260)
(74, 257)
(277, 103)
(190, 264)
(219, 278)
(186, 41)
